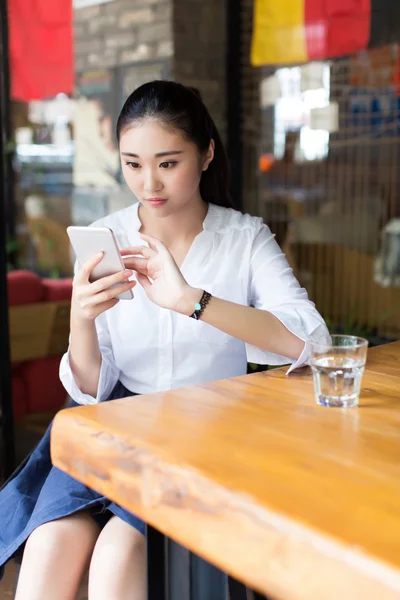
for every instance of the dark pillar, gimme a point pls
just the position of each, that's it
(7, 457)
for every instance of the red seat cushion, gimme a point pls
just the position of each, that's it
(36, 385)
(44, 388)
(24, 287)
(57, 289)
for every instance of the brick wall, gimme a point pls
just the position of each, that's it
(122, 32)
(189, 34)
(199, 59)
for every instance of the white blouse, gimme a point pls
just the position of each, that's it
(152, 349)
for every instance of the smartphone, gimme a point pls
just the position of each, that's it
(88, 241)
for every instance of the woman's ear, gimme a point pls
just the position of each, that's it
(209, 155)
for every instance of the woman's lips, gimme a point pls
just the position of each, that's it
(156, 201)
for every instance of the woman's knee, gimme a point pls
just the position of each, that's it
(117, 541)
(62, 535)
(55, 558)
(118, 565)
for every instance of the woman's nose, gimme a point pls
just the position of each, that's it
(152, 182)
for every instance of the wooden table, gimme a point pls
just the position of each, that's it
(385, 359)
(298, 501)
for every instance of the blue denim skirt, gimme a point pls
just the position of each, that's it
(38, 493)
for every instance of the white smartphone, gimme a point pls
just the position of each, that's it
(88, 241)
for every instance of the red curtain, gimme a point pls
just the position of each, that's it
(41, 48)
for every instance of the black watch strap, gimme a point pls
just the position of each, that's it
(200, 306)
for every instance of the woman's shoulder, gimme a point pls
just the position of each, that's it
(229, 220)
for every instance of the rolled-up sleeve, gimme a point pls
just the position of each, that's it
(109, 372)
(274, 288)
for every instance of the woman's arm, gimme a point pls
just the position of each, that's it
(88, 370)
(283, 318)
(279, 320)
(257, 327)
(84, 355)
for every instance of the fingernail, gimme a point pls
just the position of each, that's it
(99, 254)
(128, 274)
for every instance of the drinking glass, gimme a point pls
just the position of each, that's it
(338, 366)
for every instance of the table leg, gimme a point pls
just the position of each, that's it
(206, 581)
(178, 571)
(174, 573)
(156, 565)
(237, 590)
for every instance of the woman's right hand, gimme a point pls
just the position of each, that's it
(89, 300)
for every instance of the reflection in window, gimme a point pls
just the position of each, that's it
(302, 89)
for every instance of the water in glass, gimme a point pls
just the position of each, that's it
(337, 380)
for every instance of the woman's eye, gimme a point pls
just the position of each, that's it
(168, 164)
(132, 165)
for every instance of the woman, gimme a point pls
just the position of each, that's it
(194, 256)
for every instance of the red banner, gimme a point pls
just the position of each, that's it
(41, 48)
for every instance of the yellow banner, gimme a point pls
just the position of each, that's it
(278, 32)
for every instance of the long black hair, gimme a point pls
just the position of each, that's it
(182, 108)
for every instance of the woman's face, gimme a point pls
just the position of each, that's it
(161, 167)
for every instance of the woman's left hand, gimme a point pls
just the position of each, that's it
(160, 277)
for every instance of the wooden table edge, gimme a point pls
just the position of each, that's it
(171, 498)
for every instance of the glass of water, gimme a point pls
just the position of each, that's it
(337, 368)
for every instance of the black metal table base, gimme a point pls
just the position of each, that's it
(174, 573)
(156, 565)
(257, 596)
(237, 591)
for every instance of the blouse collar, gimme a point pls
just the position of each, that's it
(211, 221)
